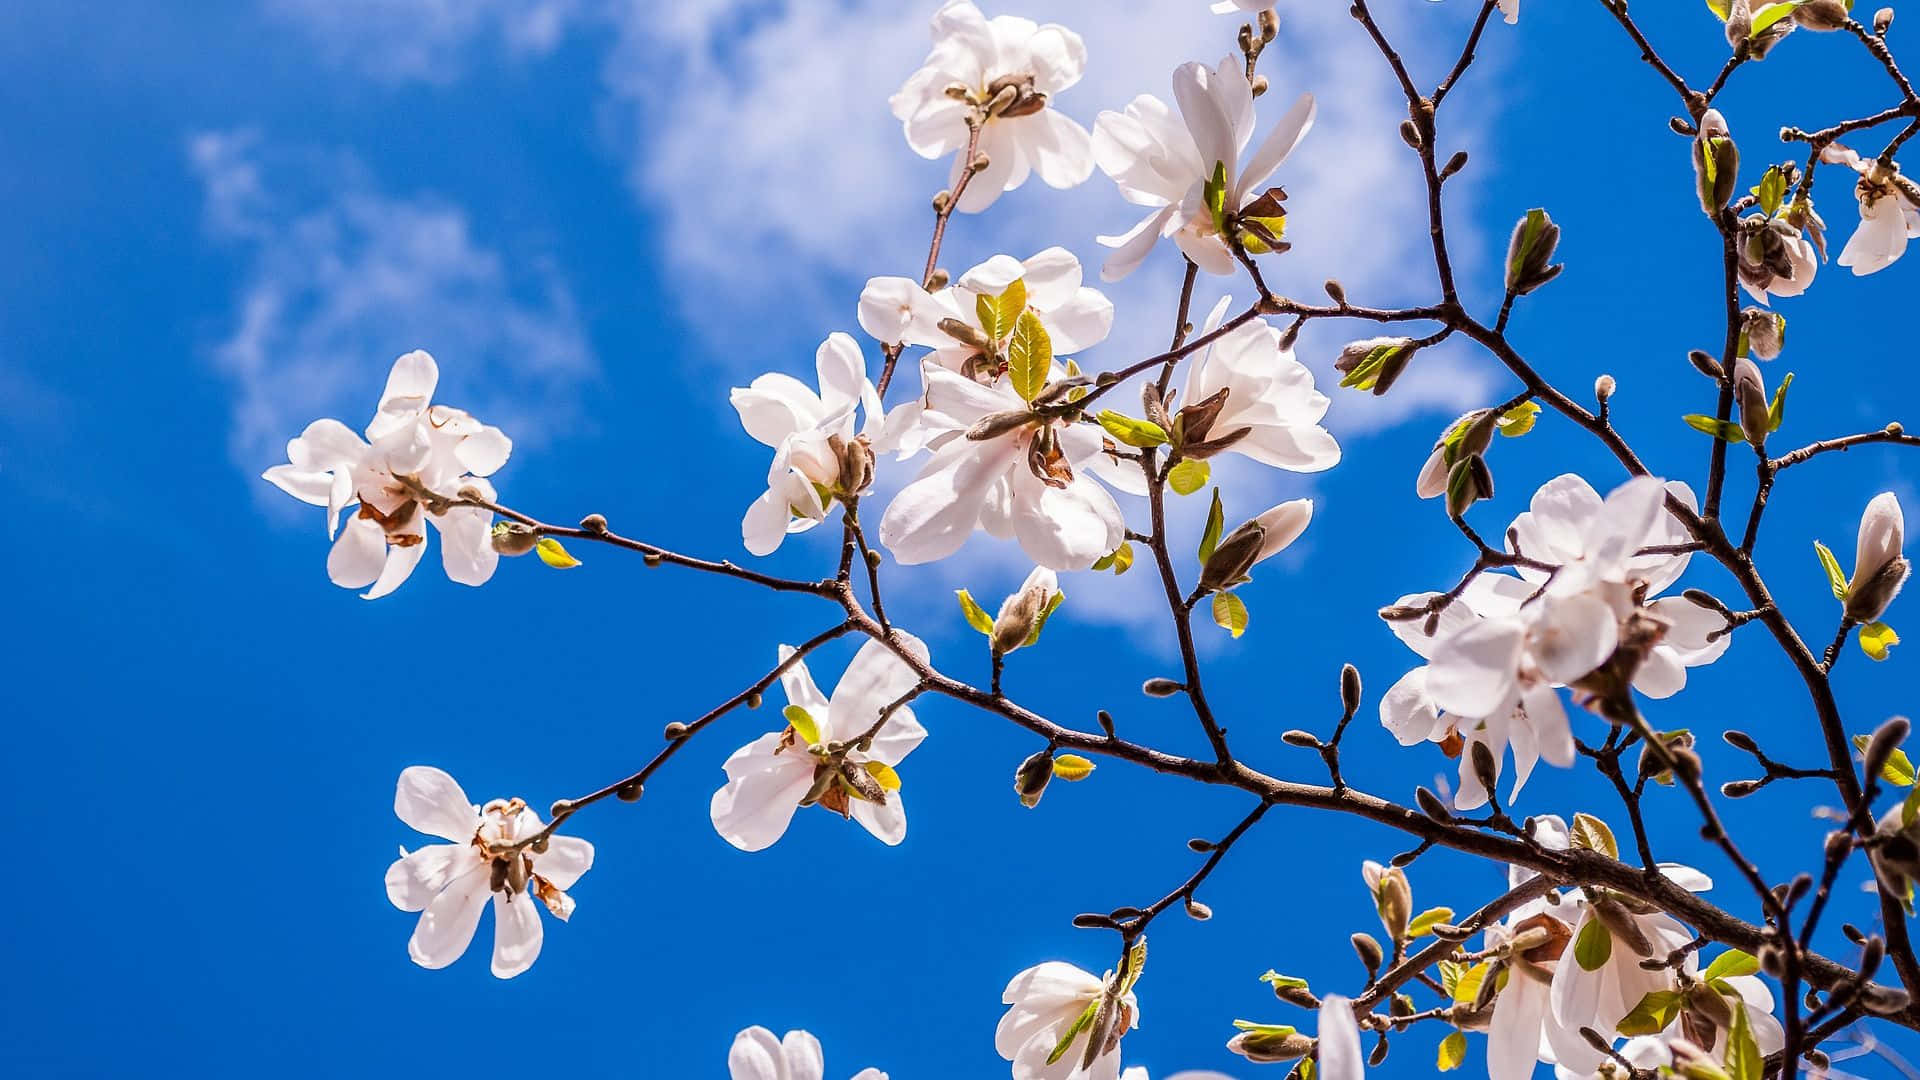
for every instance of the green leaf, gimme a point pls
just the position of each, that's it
(1719, 429)
(977, 616)
(1594, 945)
(1910, 808)
(1216, 520)
(1123, 558)
(803, 725)
(1215, 193)
(1898, 769)
(1231, 613)
(1518, 420)
(999, 313)
(1072, 767)
(1730, 964)
(1130, 431)
(1593, 834)
(884, 774)
(1744, 1061)
(1831, 565)
(1423, 923)
(1876, 639)
(1466, 987)
(1136, 963)
(1453, 1052)
(1772, 190)
(1073, 1031)
(1278, 1031)
(1188, 476)
(1654, 1012)
(1536, 222)
(1283, 982)
(1029, 356)
(1719, 8)
(1040, 622)
(554, 555)
(1777, 411)
(1762, 19)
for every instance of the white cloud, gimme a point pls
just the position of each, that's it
(341, 277)
(425, 40)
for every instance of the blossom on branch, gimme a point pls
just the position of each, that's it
(1246, 393)
(1189, 170)
(416, 460)
(818, 456)
(835, 752)
(1889, 211)
(999, 75)
(757, 1054)
(1063, 1023)
(449, 883)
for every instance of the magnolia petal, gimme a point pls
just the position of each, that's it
(401, 559)
(446, 927)
(930, 518)
(886, 821)
(517, 934)
(432, 802)
(1339, 1038)
(755, 1055)
(466, 545)
(358, 554)
(1573, 635)
(566, 858)
(874, 679)
(1513, 1035)
(1132, 246)
(1273, 150)
(1408, 711)
(413, 880)
(1473, 672)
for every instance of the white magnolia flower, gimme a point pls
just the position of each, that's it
(1601, 996)
(1888, 217)
(1339, 1041)
(817, 758)
(999, 466)
(814, 441)
(1516, 1033)
(897, 311)
(449, 883)
(758, 1055)
(1264, 390)
(1653, 1052)
(1165, 162)
(1044, 1003)
(1005, 71)
(413, 449)
(1879, 568)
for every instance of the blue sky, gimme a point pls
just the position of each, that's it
(227, 219)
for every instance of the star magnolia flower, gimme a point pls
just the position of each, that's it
(1775, 257)
(415, 454)
(897, 311)
(1516, 1032)
(1003, 74)
(449, 883)
(817, 454)
(758, 1055)
(1652, 1052)
(1045, 1003)
(1167, 163)
(1339, 1041)
(818, 757)
(999, 466)
(1888, 218)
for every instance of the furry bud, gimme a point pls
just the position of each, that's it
(1158, 687)
(1031, 778)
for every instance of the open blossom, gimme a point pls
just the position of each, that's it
(1263, 391)
(1888, 213)
(449, 883)
(757, 1054)
(1044, 1003)
(897, 311)
(1001, 466)
(1003, 73)
(1534, 937)
(818, 455)
(820, 757)
(1166, 162)
(417, 457)
(1779, 256)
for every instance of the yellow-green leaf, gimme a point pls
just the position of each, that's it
(1230, 612)
(1518, 420)
(1744, 1061)
(1593, 834)
(1772, 190)
(977, 616)
(1777, 411)
(1877, 638)
(1763, 19)
(1423, 923)
(1188, 476)
(803, 725)
(1730, 964)
(1214, 191)
(1453, 1052)
(1029, 356)
(1466, 985)
(1123, 558)
(1910, 808)
(1719, 429)
(1216, 521)
(554, 555)
(1071, 767)
(1654, 1012)
(1831, 565)
(997, 314)
(1594, 945)
(1898, 769)
(1131, 431)
(1040, 621)
(884, 774)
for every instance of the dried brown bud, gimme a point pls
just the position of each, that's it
(1306, 740)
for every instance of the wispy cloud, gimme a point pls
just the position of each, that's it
(340, 277)
(426, 40)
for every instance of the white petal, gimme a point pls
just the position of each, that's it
(753, 811)
(755, 1055)
(566, 858)
(803, 1058)
(466, 545)
(1339, 1037)
(409, 391)
(1274, 149)
(429, 800)
(517, 934)
(1066, 528)
(874, 679)
(401, 559)
(1473, 672)
(1573, 635)
(446, 926)
(930, 518)
(1132, 246)
(484, 451)
(358, 554)
(1061, 150)
(887, 822)
(1513, 1036)
(1408, 711)
(415, 879)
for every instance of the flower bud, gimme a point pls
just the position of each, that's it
(1705, 364)
(1766, 332)
(1198, 911)
(1882, 19)
(1349, 688)
(1030, 779)
(1603, 387)
(629, 792)
(1368, 950)
(1158, 687)
(1261, 538)
(1821, 14)
(674, 730)
(594, 523)
(1336, 291)
(513, 538)
(1530, 253)
(856, 463)
(1878, 568)
(1454, 164)
(1716, 160)
(1269, 1047)
(1740, 789)
(1024, 613)
(1374, 363)
(1392, 897)
(1751, 391)
(1432, 806)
